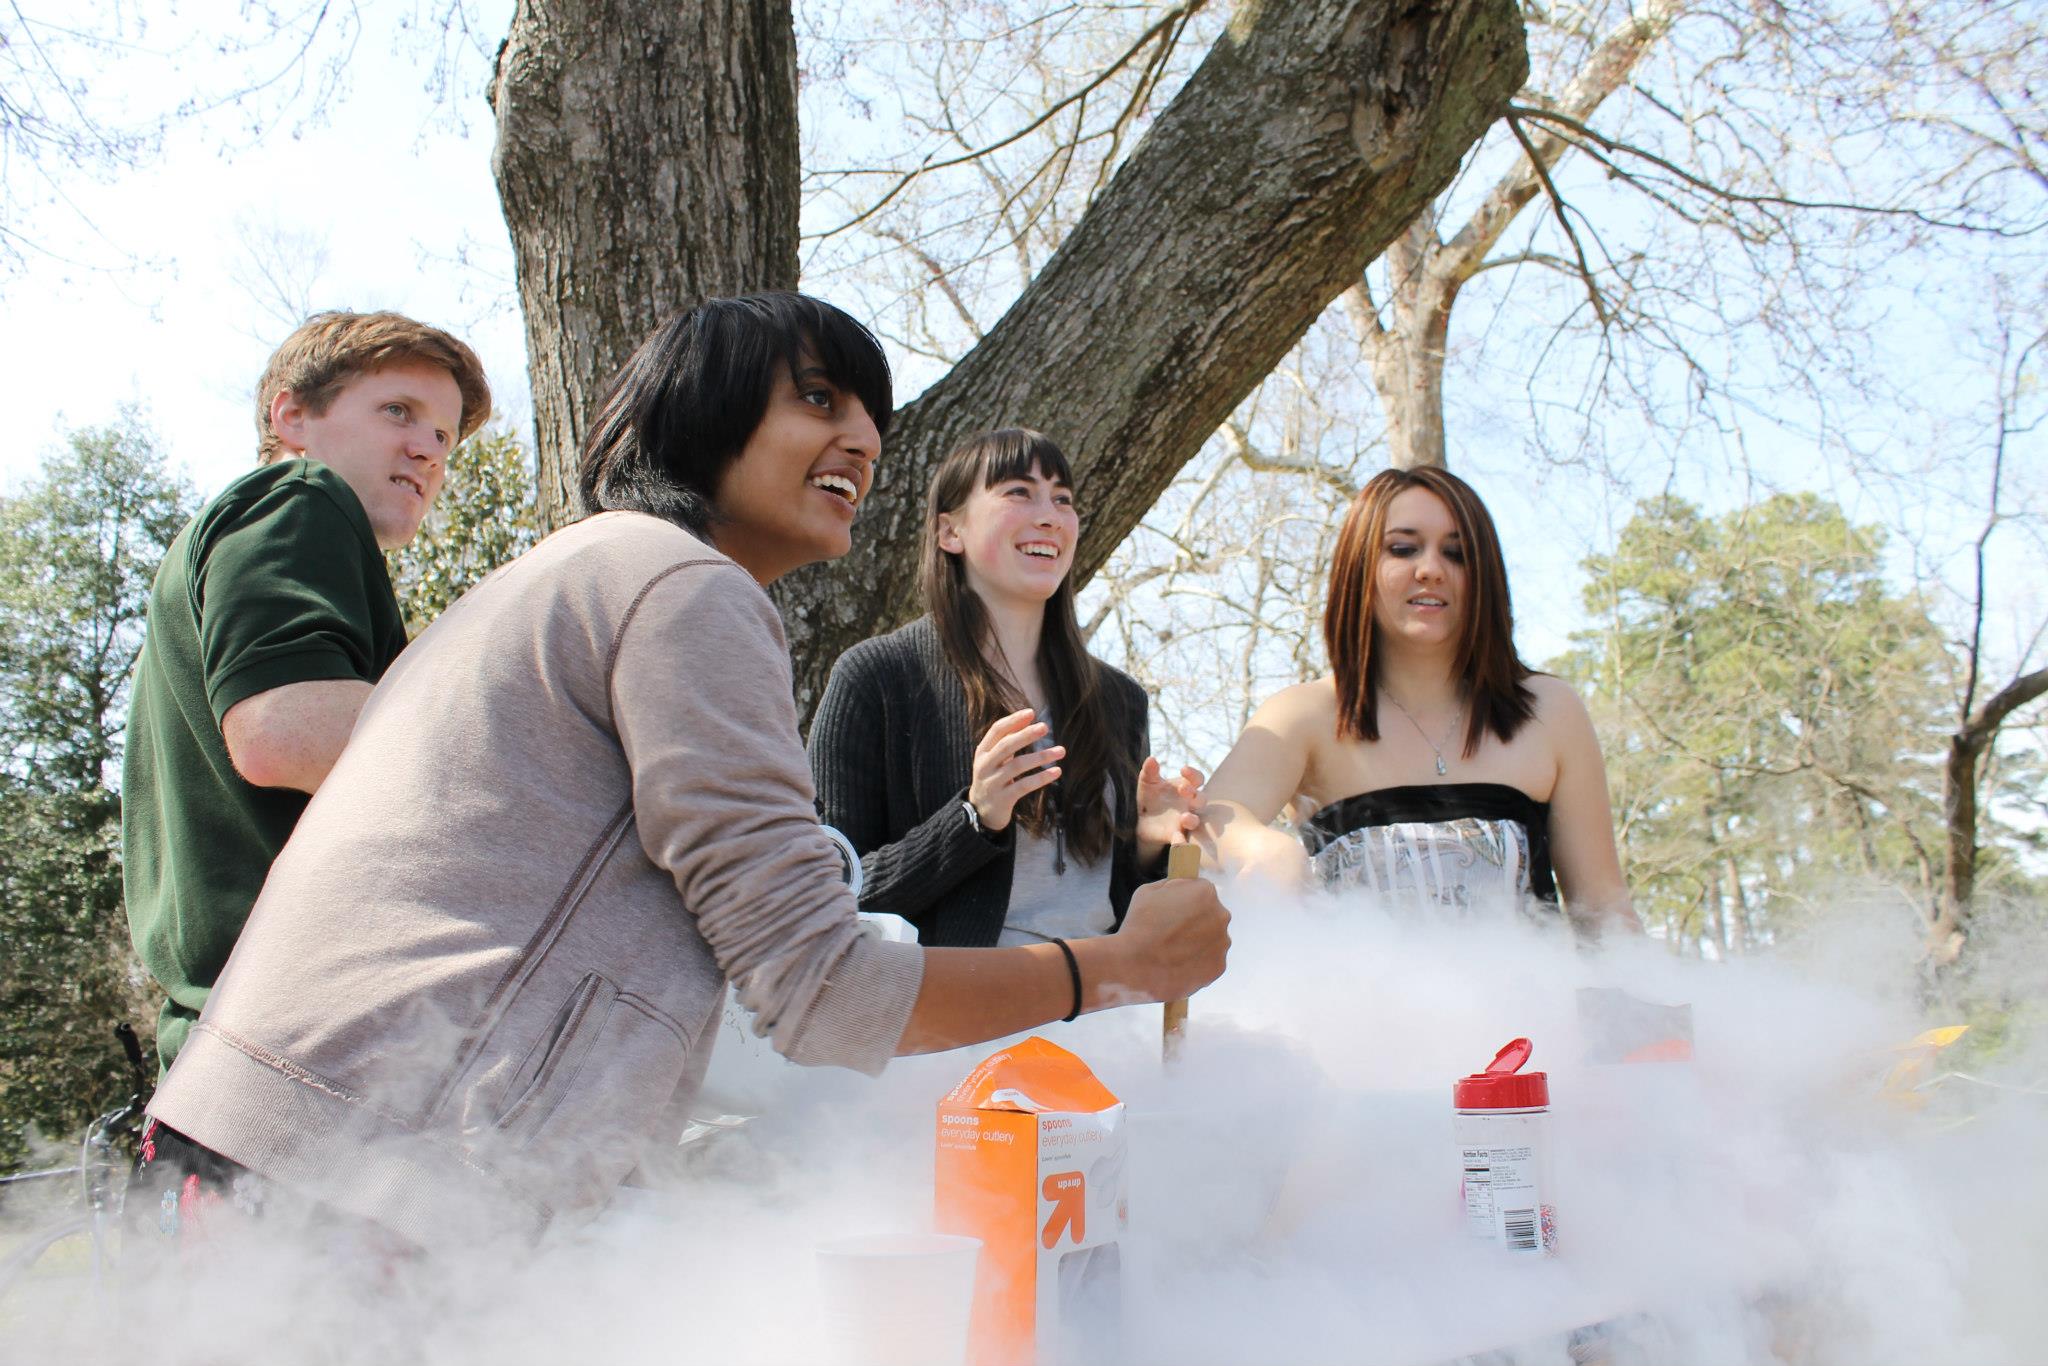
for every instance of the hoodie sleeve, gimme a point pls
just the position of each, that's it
(701, 696)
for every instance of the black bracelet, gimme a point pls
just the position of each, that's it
(1073, 971)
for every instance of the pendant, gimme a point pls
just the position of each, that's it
(1440, 769)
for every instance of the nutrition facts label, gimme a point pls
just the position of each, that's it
(1502, 1195)
(1504, 1183)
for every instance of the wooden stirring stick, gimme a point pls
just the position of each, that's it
(1182, 860)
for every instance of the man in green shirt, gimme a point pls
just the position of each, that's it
(270, 620)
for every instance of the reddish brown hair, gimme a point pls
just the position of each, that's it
(1488, 670)
(330, 349)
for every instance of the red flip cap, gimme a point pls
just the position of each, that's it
(1503, 1086)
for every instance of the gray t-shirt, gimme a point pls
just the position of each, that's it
(1046, 903)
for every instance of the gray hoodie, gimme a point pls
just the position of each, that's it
(487, 970)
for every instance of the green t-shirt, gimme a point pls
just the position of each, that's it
(278, 580)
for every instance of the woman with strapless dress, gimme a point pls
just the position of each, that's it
(1431, 770)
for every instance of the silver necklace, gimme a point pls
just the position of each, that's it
(1441, 766)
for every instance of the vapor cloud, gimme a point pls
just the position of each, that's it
(1294, 1187)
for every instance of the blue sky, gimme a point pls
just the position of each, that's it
(137, 292)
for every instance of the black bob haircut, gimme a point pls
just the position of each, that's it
(679, 412)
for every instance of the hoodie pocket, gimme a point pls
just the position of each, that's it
(551, 1064)
(590, 1125)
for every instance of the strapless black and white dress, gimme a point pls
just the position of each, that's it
(1441, 849)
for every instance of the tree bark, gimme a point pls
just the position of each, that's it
(1717, 923)
(1950, 927)
(646, 157)
(1406, 350)
(1311, 134)
(1407, 355)
(1737, 937)
(1735, 928)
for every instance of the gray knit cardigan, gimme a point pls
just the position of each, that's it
(892, 754)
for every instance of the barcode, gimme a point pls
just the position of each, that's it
(1520, 1226)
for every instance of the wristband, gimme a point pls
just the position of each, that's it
(1074, 972)
(849, 858)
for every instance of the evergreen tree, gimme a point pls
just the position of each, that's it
(1772, 713)
(79, 548)
(487, 514)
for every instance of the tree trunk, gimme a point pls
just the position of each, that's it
(1407, 353)
(1950, 927)
(1737, 938)
(1735, 929)
(646, 157)
(647, 154)
(1310, 136)
(1717, 921)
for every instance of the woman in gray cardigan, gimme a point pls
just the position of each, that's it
(993, 775)
(488, 969)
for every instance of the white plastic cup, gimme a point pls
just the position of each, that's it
(896, 1299)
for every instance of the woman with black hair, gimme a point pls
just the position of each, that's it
(993, 775)
(1430, 768)
(486, 973)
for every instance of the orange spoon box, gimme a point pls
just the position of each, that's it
(1031, 1150)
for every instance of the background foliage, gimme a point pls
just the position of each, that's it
(78, 550)
(486, 515)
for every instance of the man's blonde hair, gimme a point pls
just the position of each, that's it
(330, 349)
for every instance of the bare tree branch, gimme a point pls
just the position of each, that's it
(1605, 150)
(1604, 71)
(1164, 30)
(1564, 221)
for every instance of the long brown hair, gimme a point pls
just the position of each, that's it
(1081, 705)
(1490, 674)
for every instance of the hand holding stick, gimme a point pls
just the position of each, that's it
(1182, 860)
